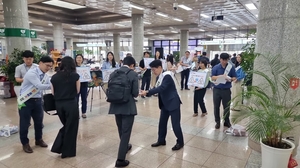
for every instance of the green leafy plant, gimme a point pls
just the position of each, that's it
(271, 113)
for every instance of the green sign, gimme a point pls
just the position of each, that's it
(17, 32)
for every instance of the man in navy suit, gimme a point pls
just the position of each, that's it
(169, 104)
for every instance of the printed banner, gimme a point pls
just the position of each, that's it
(147, 61)
(84, 73)
(197, 79)
(106, 73)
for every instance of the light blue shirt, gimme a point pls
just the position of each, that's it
(33, 78)
(107, 65)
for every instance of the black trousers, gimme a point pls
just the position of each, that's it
(65, 142)
(146, 81)
(199, 99)
(223, 95)
(124, 123)
(185, 76)
(163, 123)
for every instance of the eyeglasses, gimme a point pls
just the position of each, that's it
(48, 65)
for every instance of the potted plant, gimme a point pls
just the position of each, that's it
(270, 113)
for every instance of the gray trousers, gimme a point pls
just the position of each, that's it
(223, 95)
(124, 123)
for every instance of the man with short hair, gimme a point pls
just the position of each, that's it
(186, 63)
(203, 56)
(221, 92)
(169, 104)
(125, 112)
(146, 73)
(30, 102)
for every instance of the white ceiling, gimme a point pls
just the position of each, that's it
(236, 14)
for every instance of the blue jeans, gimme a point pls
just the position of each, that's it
(33, 109)
(83, 94)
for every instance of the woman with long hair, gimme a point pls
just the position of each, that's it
(170, 63)
(110, 61)
(237, 84)
(65, 85)
(83, 87)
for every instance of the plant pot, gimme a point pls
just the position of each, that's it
(275, 157)
(12, 91)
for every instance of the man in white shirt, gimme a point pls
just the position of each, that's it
(186, 63)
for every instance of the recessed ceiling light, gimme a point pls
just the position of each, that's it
(234, 28)
(136, 7)
(209, 35)
(203, 15)
(30, 22)
(163, 15)
(40, 30)
(150, 33)
(50, 24)
(251, 6)
(119, 25)
(174, 31)
(147, 23)
(202, 30)
(179, 20)
(225, 25)
(256, 15)
(64, 4)
(185, 7)
(78, 28)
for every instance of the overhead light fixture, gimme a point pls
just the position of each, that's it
(209, 35)
(29, 22)
(203, 15)
(174, 31)
(78, 28)
(119, 25)
(202, 30)
(185, 7)
(160, 14)
(40, 30)
(256, 15)
(225, 25)
(79, 34)
(63, 4)
(251, 6)
(150, 33)
(234, 28)
(179, 20)
(147, 23)
(50, 24)
(136, 7)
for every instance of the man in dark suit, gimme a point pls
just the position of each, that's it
(169, 104)
(124, 113)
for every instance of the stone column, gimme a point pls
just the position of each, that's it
(116, 38)
(58, 36)
(69, 43)
(137, 36)
(277, 33)
(16, 16)
(184, 39)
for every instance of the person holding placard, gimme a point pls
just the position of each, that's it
(83, 87)
(186, 63)
(225, 73)
(146, 73)
(199, 92)
(65, 86)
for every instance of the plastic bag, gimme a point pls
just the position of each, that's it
(8, 130)
(292, 163)
(236, 130)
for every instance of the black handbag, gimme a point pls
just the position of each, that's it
(49, 103)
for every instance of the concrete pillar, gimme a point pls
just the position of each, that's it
(69, 43)
(58, 36)
(116, 38)
(16, 22)
(184, 39)
(137, 36)
(277, 33)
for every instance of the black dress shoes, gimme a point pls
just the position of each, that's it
(217, 126)
(177, 147)
(27, 148)
(158, 144)
(41, 143)
(123, 163)
(227, 125)
(129, 147)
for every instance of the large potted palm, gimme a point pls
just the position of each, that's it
(271, 113)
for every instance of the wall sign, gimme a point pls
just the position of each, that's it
(17, 32)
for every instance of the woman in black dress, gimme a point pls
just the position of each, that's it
(65, 87)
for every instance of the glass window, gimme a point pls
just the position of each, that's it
(191, 48)
(157, 43)
(173, 48)
(165, 43)
(192, 42)
(166, 51)
(174, 42)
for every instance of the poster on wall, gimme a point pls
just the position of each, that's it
(84, 73)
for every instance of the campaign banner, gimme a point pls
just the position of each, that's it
(147, 61)
(106, 73)
(197, 79)
(84, 73)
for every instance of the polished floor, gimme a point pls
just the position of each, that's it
(98, 140)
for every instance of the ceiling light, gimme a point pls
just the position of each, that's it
(78, 28)
(50, 24)
(150, 33)
(251, 6)
(79, 34)
(202, 30)
(163, 15)
(64, 4)
(179, 20)
(209, 35)
(203, 15)
(40, 30)
(225, 25)
(185, 7)
(147, 23)
(234, 28)
(256, 16)
(136, 7)
(30, 22)
(174, 31)
(119, 25)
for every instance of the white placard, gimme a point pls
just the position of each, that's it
(164, 64)
(84, 73)
(197, 79)
(179, 69)
(147, 61)
(106, 73)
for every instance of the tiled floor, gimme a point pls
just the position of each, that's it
(98, 140)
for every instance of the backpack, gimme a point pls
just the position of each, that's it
(119, 87)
